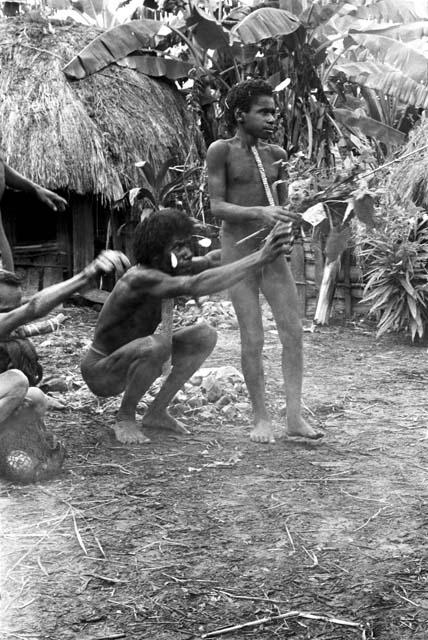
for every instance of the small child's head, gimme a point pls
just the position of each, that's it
(242, 97)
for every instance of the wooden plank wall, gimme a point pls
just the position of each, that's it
(307, 267)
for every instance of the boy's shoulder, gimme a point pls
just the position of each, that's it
(222, 144)
(275, 150)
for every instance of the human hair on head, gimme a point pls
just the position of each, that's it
(8, 277)
(242, 96)
(154, 232)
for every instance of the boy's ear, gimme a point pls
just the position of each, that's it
(239, 115)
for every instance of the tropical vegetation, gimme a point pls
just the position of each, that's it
(351, 80)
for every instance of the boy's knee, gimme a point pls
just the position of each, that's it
(207, 335)
(13, 382)
(37, 399)
(161, 348)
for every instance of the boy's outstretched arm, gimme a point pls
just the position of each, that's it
(44, 301)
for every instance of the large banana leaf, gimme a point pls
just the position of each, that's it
(396, 54)
(208, 33)
(317, 14)
(369, 127)
(403, 32)
(394, 11)
(267, 23)
(386, 80)
(112, 45)
(157, 66)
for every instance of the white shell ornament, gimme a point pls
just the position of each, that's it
(174, 261)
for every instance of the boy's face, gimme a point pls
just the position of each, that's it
(259, 121)
(181, 247)
(10, 297)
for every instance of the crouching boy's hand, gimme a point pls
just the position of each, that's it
(107, 262)
(279, 241)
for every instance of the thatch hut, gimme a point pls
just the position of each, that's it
(409, 177)
(80, 139)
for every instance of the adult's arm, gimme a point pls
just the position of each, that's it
(44, 301)
(230, 212)
(15, 180)
(208, 261)
(161, 285)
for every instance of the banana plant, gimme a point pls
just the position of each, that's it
(159, 190)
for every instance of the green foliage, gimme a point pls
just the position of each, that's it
(160, 190)
(394, 260)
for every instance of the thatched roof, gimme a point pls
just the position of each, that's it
(83, 136)
(409, 178)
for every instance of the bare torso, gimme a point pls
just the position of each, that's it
(245, 188)
(129, 313)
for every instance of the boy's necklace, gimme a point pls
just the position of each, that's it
(263, 176)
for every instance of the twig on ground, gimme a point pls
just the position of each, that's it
(290, 538)
(254, 598)
(105, 578)
(370, 519)
(78, 536)
(43, 570)
(405, 599)
(358, 497)
(290, 614)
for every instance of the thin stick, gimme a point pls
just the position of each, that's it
(290, 539)
(255, 598)
(370, 519)
(387, 164)
(282, 616)
(78, 536)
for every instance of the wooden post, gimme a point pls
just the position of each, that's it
(83, 232)
(326, 294)
(347, 284)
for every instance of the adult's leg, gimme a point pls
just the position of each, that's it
(246, 302)
(132, 369)
(13, 389)
(190, 348)
(277, 284)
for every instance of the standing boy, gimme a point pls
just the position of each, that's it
(241, 170)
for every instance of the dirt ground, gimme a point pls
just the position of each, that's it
(186, 536)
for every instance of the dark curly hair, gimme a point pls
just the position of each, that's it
(242, 96)
(154, 232)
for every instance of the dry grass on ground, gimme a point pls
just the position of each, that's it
(179, 538)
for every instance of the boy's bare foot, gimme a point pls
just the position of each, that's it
(301, 429)
(263, 432)
(127, 432)
(164, 420)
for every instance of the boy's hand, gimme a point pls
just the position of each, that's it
(51, 199)
(273, 214)
(279, 241)
(107, 262)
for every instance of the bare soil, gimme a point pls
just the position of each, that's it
(185, 536)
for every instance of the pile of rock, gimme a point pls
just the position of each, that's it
(210, 390)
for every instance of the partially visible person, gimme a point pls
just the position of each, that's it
(126, 354)
(19, 362)
(14, 180)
